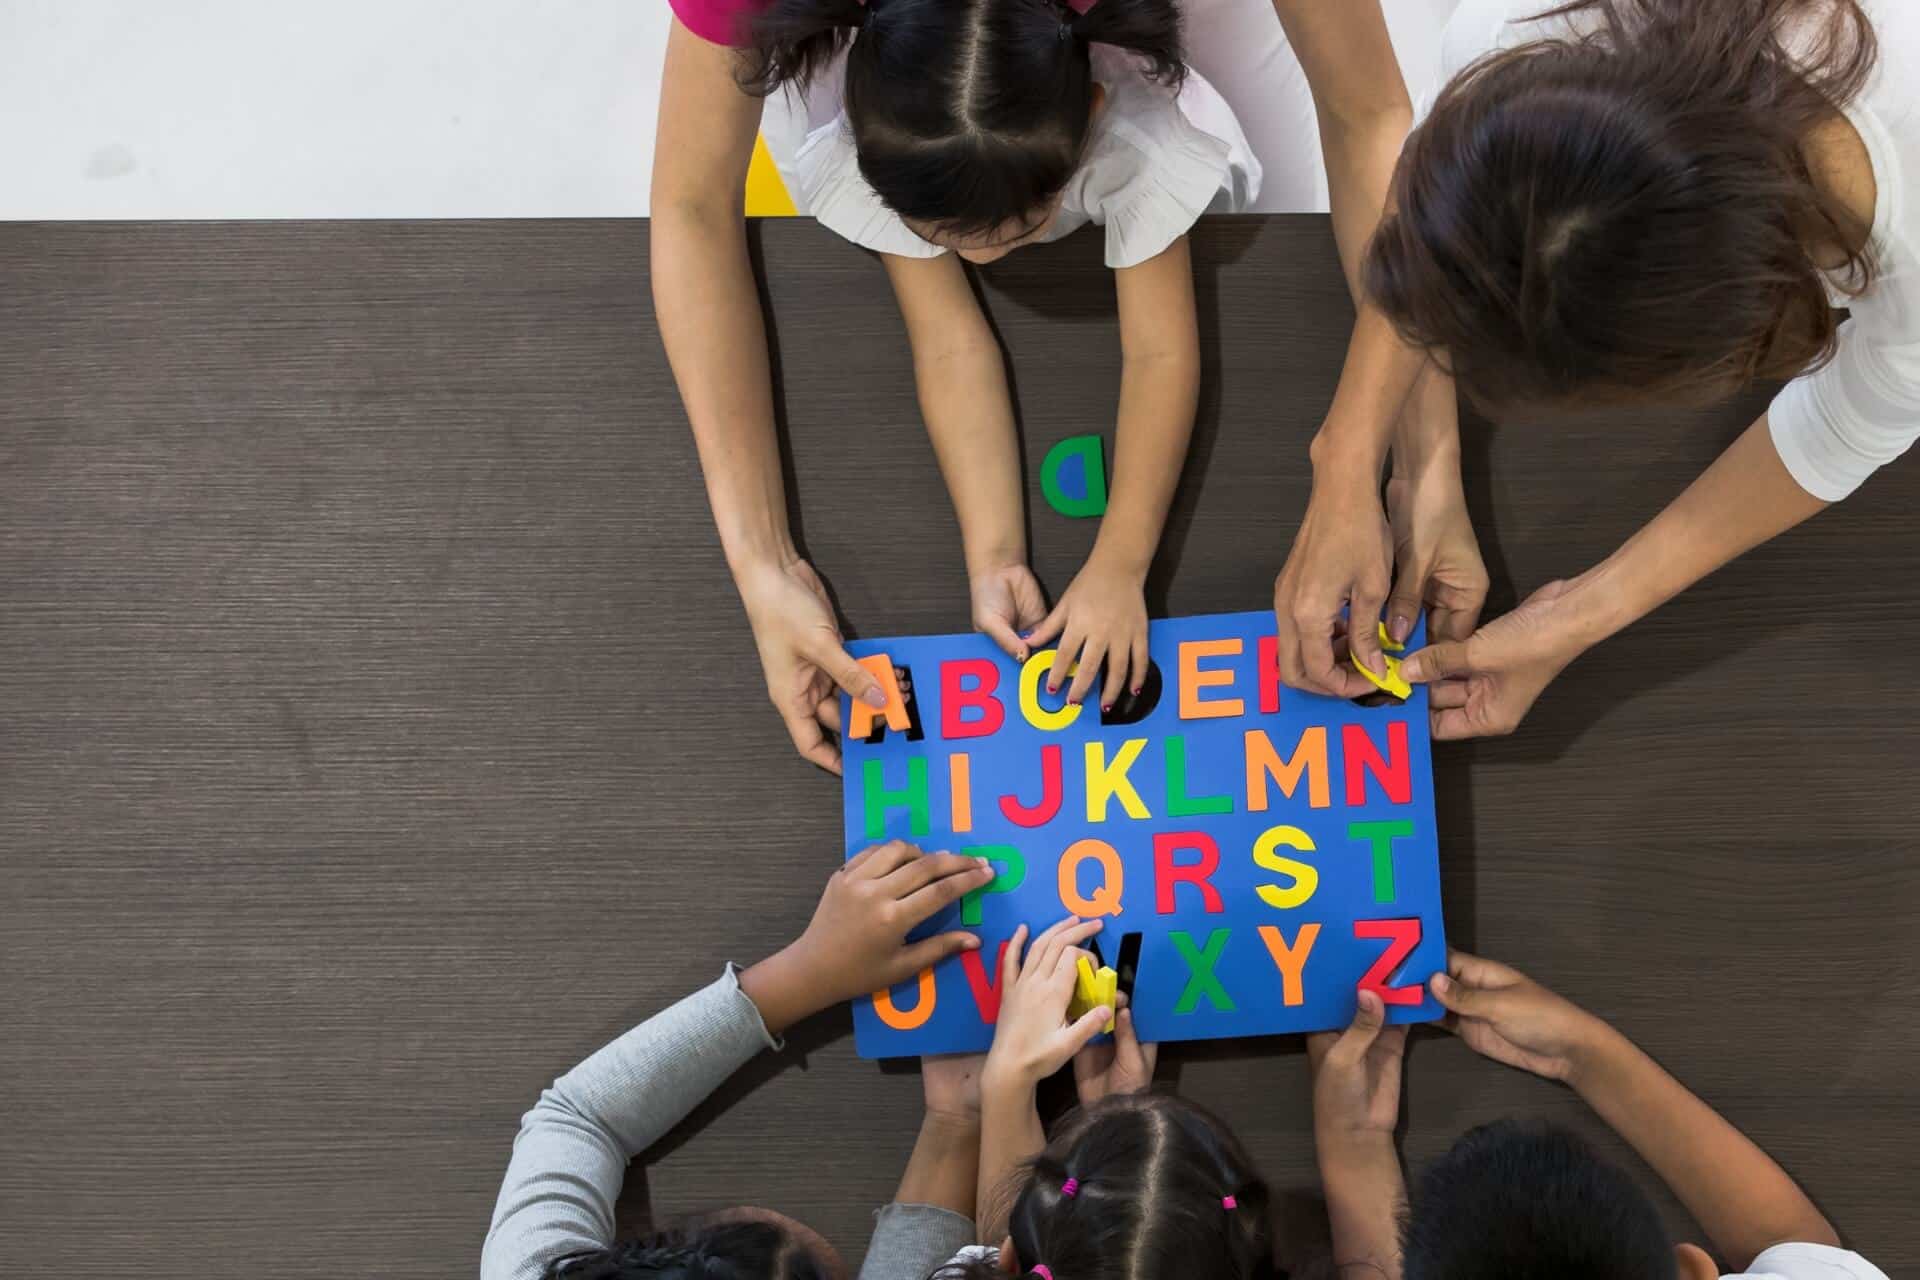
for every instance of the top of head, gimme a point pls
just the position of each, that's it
(1515, 1200)
(1627, 215)
(968, 115)
(1151, 1174)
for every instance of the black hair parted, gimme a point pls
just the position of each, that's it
(732, 1250)
(1152, 1177)
(1511, 1201)
(968, 115)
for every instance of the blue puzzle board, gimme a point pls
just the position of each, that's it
(1275, 850)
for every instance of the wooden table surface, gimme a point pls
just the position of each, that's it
(379, 732)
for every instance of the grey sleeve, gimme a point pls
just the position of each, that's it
(573, 1147)
(911, 1240)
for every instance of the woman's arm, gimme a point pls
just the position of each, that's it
(1343, 550)
(710, 320)
(1102, 616)
(1490, 680)
(961, 376)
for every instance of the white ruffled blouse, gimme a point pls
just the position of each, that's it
(1157, 160)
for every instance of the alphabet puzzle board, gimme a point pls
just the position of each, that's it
(1275, 850)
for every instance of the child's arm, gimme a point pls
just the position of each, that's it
(961, 376)
(1102, 617)
(571, 1155)
(931, 1217)
(1746, 1201)
(715, 336)
(1356, 1103)
(1031, 1040)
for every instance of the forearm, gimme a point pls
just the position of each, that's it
(1744, 1200)
(944, 1169)
(708, 310)
(1159, 394)
(968, 410)
(1365, 1193)
(1745, 498)
(1360, 157)
(1010, 1135)
(1427, 433)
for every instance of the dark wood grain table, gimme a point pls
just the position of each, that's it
(379, 732)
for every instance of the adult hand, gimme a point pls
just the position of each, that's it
(804, 656)
(1007, 604)
(1117, 1065)
(1356, 1075)
(1485, 685)
(1101, 620)
(1504, 1015)
(1033, 1038)
(1341, 557)
(857, 940)
(1436, 556)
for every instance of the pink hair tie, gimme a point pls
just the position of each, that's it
(1043, 1273)
(1228, 1202)
(1067, 1189)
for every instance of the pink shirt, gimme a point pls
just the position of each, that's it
(721, 21)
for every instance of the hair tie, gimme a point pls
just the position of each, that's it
(1229, 1203)
(1067, 1189)
(1042, 1271)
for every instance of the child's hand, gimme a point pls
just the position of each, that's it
(856, 942)
(1033, 1038)
(1102, 619)
(1505, 1015)
(1356, 1076)
(1119, 1065)
(1007, 603)
(951, 1083)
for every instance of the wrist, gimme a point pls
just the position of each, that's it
(1342, 452)
(955, 1126)
(989, 556)
(787, 987)
(1120, 555)
(1005, 1083)
(1596, 1053)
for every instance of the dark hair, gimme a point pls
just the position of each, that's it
(967, 114)
(737, 1250)
(1151, 1173)
(1627, 215)
(1518, 1200)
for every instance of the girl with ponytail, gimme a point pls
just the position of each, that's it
(1134, 1185)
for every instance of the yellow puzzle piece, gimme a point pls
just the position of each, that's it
(1392, 682)
(1094, 989)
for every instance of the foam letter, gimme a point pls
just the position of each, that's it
(1402, 937)
(986, 990)
(914, 1017)
(1381, 835)
(960, 789)
(1289, 960)
(1107, 780)
(1306, 878)
(1179, 803)
(1051, 789)
(1359, 753)
(1309, 758)
(1169, 875)
(1267, 671)
(1038, 716)
(1193, 679)
(1200, 964)
(1010, 872)
(860, 722)
(1093, 465)
(912, 797)
(957, 698)
(1113, 878)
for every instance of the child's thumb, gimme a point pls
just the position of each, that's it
(1369, 1017)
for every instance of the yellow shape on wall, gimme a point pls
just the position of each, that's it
(766, 195)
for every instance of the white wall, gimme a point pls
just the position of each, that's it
(439, 108)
